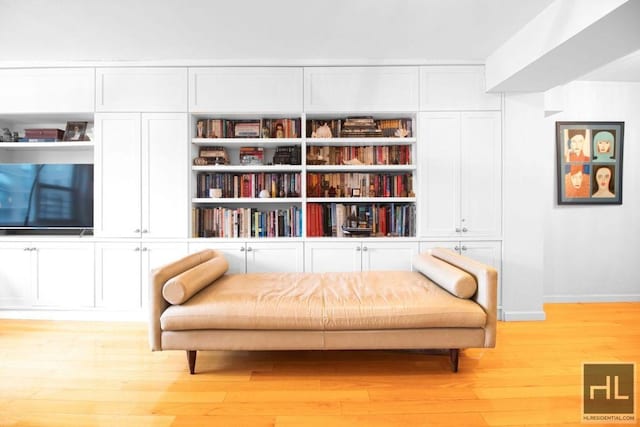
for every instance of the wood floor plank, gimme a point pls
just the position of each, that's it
(58, 373)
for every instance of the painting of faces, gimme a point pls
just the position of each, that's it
(589, 162)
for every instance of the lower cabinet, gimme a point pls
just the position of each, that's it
(123, 269)
(46, 274)
(257, 257)
(358, 255)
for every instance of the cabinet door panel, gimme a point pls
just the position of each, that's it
(119, 274)
(332, 256)
(141, 89)
(236, 90)
(360, 89)
(380, 256)
(439, 173)
(66, 275)
(234, 253)
(448, 88)
(16, 289)
(274, 257)
(165, 173)
(481, 171)
(117, 175)
(47, 90)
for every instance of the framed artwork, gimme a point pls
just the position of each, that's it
(75, 131)
(589, 162)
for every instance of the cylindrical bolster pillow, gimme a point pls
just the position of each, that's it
(183, 286)
(456, 281)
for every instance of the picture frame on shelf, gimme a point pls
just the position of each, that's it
(75, 131)
(589, 162)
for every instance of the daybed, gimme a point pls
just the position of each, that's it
(448, 302)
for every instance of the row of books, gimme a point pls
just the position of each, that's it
(369, 155)
(340, 220)
(246, 222)
(234, 185)
(359, 184)
(258, 128)
(360, 127)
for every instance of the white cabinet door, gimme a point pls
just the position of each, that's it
(117, 175)
(481, 171)
(439, 173)
(360, 89)
(65, 274)
(234, 253)
(17, 281)
(165, 174)
(451, 88)
(337, 256)
(274, 257)
(155, 255)
(47, 90)
(245, 89)
(381, 256)
(118, 275)
(141, 89)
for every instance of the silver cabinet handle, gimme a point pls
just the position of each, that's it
(464, 248)
(137, 249)
(137, 230)
(249, 249)
(365, 249)
(456, 248)
(145, 249)
(457, 229)
(358, 249)
(242, 249)
(465, 229)
(144, 230)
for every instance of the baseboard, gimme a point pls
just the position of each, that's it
(517, 316)
(82, 315)
(592, 298)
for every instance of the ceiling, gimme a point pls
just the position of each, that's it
(272, 32)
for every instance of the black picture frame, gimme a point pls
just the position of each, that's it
(589, 162)
(75, 131)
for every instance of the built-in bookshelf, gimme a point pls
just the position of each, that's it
(298, 176)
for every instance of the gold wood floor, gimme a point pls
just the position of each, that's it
(55, 373)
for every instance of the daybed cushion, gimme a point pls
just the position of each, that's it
(323, 301)
(458, 282)
(180, 288)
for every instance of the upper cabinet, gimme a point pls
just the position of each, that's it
(46, 90)
(455, 88)
(245, 89)
(360, 89)
(141, 89)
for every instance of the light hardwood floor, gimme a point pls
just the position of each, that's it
(56, 373)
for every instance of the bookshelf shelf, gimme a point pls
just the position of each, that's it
(247, 200)
(247, 142)
(341, 142)
(351, 200)
(360, 168)
(247, 168)
(55, 145)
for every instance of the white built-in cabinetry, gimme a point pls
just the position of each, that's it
(460, 174)
(142, 175)
(145, 144)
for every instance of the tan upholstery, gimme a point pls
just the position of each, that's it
(182, 287)
(323, 301)
(458, 282)
(369, 310)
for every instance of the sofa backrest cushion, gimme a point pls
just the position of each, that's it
(180, 288)
(456, 281)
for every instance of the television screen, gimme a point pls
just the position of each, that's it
(46, 195)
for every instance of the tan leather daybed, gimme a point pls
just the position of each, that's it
(449, 302)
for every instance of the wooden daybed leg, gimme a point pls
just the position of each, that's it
(191, 358)
(453, 358)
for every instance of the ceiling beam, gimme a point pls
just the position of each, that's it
(567, 40)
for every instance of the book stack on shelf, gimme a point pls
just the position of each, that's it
(359, 184)
(364, 155)
(248, 128)
(372, 220)
(287, 156)
(360, 127)
(249, 185)
(211, 156)
(251, 155)
(247, 222)
(42, 135)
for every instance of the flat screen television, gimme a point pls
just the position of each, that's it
(46, 196)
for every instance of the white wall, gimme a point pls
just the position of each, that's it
(591, 253)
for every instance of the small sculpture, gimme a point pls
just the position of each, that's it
(323, 131)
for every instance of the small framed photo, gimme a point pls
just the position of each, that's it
(355, 192)
(589, 159)
(75, 131)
